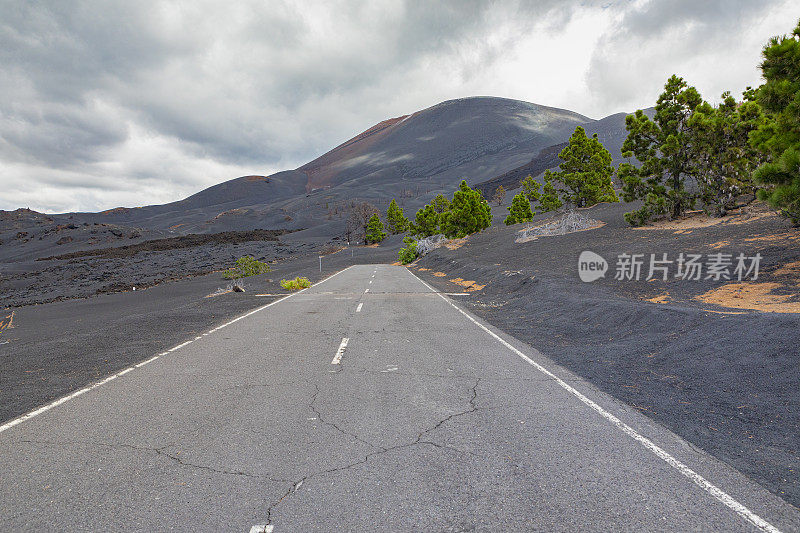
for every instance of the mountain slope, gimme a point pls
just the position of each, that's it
(610, 130)
(441, 137)
(411, 158)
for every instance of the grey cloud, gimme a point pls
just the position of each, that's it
(171, 96)
(171, 68)
(57, 135)
(650, 40)
(699, 20)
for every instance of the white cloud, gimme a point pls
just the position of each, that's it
(123, 103)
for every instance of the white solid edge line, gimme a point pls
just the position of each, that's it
(27, 416)
(358, 309)
(338, 357)
(722, 496)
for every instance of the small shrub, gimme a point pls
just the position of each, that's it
(409, 253)
(654, 206)
(375, 233)
(295, 284)
(520, 210)
(245, 267)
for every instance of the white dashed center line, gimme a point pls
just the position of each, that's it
(358, 309)
(338, 357)
(43, 409)
(366, 291)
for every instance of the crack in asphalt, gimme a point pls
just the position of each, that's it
(295, 485)
(181, 462)
(472, 409)
(380, 450)
(333, 425)
(161, 452)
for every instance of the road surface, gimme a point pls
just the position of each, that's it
(368, 402)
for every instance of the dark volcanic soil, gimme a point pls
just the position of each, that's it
(86, 273)
(726, 380)
(176, 243)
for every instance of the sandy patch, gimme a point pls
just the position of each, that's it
(6, 320)
(423, 269)
(455, 244)
(783, 237)
(756, 296)
(789, 269)
(698, 219)
(719, 244)
(469, 285)
(219, 292)
(660, 299)
(439, 274)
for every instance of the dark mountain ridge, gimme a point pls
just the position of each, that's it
(485, 140)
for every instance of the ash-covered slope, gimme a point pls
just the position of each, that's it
(411, 158)
(210, 209)
(610, 130)
(446, 136)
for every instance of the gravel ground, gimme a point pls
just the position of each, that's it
(37, 282)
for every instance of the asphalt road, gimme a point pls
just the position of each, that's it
(427, 420)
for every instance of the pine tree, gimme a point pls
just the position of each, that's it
(663, 146)
(469, 213)
(426, 222)
(549, 200)
(396, 221)
(531, 189)
(780, 137)
(586, 171)
(375, 231)
(520, 210)
(722, 156)
(440, 204)
(499, 195)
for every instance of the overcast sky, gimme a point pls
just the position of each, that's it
(126, 103)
